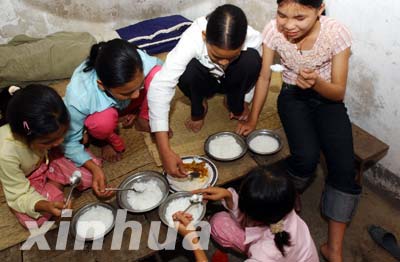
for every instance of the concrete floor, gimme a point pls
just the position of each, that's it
(374, 208)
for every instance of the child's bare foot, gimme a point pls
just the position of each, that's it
(194, 125)
(109, 154)
(330, 255)
(85, 138)
(127, 121)
(142, 125)
(243, 116)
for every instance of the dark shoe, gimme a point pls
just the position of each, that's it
(385, 239)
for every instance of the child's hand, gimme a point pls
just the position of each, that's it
(184, 220)
(245, 127)
(99, 183)
(128, 120)
(213, 193)
(50, 207)
(307, 78)
(173, 164)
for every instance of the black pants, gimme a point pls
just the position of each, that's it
(313, 123)
(197, 83)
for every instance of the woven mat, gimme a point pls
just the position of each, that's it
(137, 157)
(185, 142)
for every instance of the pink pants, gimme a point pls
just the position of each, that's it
(58, 170)
(226, 231)
(102, 125)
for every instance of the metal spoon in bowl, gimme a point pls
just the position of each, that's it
(74, 181)
(137, 190)
(194, 200)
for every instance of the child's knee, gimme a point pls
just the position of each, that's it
(102, 124)
(53, 193)
(219, 224)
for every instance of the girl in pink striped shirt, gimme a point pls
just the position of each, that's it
(314, 52)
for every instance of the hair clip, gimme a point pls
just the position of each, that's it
(277, 227)
(13, 89)
(26, 127)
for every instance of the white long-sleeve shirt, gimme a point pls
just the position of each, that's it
(191, 45)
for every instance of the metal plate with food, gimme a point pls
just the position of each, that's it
(208, 174)
(149, 190)
(180, 201)
(264, 142)
(225, 146)
(93, 221)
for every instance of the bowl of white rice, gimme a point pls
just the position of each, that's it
(93, 221)
(151, 190)
(225, 146)
(179, 201)
(264, 142)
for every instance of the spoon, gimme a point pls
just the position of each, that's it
(74, 181)
(194, 200)
(123, 189)
(136, 188)
(193, 174)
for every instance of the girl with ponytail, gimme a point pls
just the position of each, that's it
(261, 221)
(109, 87)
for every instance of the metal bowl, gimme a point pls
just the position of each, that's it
(184, 194)
(240, 140)
(144, 176)
(84, 209)
(264, 132)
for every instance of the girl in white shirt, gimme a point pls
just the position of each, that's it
(216, 54)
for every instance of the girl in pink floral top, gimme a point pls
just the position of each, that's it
(314, 52)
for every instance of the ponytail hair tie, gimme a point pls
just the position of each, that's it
(13, 89)
(277, 227)
(26, 127)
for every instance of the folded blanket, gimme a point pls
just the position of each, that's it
(25, 59)
(156, 35)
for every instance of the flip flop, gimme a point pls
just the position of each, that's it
(385, 239)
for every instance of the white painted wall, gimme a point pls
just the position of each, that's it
(42, 17)
(373, 95)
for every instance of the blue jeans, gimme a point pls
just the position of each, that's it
(313, 124)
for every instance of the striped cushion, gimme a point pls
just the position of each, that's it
(156, 35)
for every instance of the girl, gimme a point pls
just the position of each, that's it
(114, 80)
(315, 52)
(216, 54)
(37, 122)
(261, 220)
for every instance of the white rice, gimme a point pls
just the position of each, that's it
(277, 68)
(225, 147)
(185, 184)
(148, 196)
(181, 204)
(94, 222)
(264, 144)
